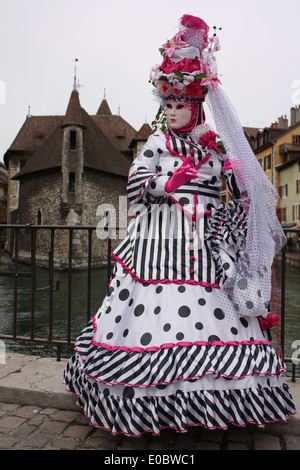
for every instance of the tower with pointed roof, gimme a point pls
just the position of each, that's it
(72, 162)
(62, 168)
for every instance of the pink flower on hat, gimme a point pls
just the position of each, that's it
(211, 80)
(164, 88)
(175, 43)
(185, 65)
(195, 90)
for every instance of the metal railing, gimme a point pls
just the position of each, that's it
(13, 233)
(289, 146)
(31, 231)
(284, 252)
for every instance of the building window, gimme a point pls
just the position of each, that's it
(298, 187)
(296, 139)
(267, 162)
(3, 214)
(260, 160)
(73, 136)
(296, 208)
(283, 191)
(39, 218)
(71, 182)
(281, 214)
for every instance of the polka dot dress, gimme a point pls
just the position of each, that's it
(150, 315)
(172, 352)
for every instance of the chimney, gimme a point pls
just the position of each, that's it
(295, 115)
(283, 122)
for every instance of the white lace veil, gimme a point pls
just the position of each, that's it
(265, 236)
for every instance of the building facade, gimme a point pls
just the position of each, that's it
(277, 148)
(63, 170)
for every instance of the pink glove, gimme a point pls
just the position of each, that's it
(185, 173)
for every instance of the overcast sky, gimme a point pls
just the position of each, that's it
(116, 43)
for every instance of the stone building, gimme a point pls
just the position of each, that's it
(3, 193)
(3, 202)
(70, 170)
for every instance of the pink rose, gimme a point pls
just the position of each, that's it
(178, 91)
(208, 140)
(163, 87)
(185, 65)
(195, 90)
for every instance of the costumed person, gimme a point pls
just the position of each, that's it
(181, 337)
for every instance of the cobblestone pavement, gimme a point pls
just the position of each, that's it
(36, 428)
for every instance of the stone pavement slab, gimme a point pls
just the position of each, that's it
(33, 380)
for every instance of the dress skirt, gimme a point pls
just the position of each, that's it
(166, 355)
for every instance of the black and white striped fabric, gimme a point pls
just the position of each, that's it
(161, 243)
(168, 230)
(211, 400)
(180, 362)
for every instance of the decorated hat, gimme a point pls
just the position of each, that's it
(187, 69)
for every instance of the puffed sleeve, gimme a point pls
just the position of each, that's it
(145, 183)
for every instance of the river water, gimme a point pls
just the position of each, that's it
(98, 291)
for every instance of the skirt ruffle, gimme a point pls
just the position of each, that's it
(173, 362)
(177, 387)
(178, 410)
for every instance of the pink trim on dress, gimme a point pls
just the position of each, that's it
(180, 344)
(173, 345)
(162, 281)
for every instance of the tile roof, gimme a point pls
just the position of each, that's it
(75, 113)
(99, 152)
(107, 144)
(104, 109)
(144, 132)
(251, 131)
(119, 132)
(33, 133)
